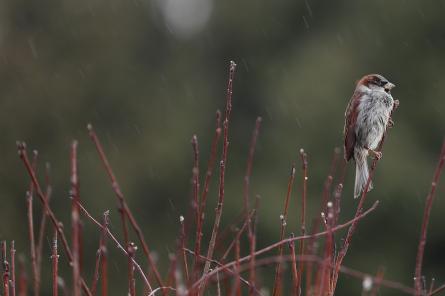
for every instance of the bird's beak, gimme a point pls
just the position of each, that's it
(389, 86)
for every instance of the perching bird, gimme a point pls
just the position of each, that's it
(366, 118)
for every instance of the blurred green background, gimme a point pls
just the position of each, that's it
(148, 74)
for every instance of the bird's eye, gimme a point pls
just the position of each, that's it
(383, 82)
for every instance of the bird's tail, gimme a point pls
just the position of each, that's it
(361, 171)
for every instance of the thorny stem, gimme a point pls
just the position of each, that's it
(426, 218)
(123, 207)
(23, 155)
(218, 211)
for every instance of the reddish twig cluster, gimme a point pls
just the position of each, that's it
(225, 269)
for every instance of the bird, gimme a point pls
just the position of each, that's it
(367, 116)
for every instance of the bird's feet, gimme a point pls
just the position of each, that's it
(377, 154)
(396, 104)
(390, 123)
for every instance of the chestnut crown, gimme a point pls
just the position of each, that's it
(376, 80)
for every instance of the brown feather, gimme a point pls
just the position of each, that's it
(349, 128)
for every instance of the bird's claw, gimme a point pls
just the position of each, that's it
(396, 104)
(377, 154)
(390, 123)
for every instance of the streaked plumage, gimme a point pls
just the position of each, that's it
(366, 119)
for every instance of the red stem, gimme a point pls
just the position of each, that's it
(131, 253)
(251, 235)
(219, 207)
(210, 169)
(183, 239)
(22, 278)
(100, 254)
(237, 285)
(118, 244)
(196, 207)
(295, 287)
(32, 243)
(43, 220)
(5, 265)
(23, 155)
(285, 241)
(377, 282)
(55, 264)
(75, 221)
(12, 256)
(123, 207)
(283, 217)
(304, 163)
(426, 218)
(104, 272)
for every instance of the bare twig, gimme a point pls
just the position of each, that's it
(32, 243)
(100, 253)
(210, 169)
(43, 219)
(219, 207)
(75, 221)
(23, 155)
(131, 249)
(294, 268)
(237, 284)
(104, 272)
(378, 281)
(283, 242)
(55, 263)
(5, 269)
(437, 290)
(12, 272)
(426, 218)
(22, 278)
(251, 234)
(195, 205)
(182, 242)
(123, 207)
(118, 244)
(283, 218)
(304, 163)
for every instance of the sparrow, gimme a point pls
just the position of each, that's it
(367, 116)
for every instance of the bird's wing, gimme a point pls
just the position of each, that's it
(349, 128)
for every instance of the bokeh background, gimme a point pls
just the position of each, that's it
(148, 74)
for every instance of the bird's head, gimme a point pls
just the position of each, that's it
(376, 82)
